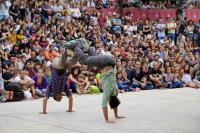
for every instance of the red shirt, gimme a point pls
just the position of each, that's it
(101, 20)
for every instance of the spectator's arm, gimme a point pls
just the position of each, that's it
(125, 76)
(153, 79)
(86, 80)
(13, 13)
(134, 80)
(144, 80)
(160, 77)
(73, 79)
(46, 55)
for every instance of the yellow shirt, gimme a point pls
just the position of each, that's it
(20, 37)
(12, 38)
(171, 27)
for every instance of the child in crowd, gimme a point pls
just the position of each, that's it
(168, 77)
(121, 83)
(40, 83)
(83, 86)
(93, 84)
(176, 82)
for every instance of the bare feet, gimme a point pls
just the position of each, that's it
(70, 111)
(137, 89)
(35, 97)
(43, 112)
(121, 91)
(120, 117)
(109, 121)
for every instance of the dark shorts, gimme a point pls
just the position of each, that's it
(17, 96)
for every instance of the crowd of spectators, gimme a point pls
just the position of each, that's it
(194, 5)
(149, 53)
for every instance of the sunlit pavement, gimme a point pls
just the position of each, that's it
(156, 111)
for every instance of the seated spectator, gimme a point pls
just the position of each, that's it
(93, 84)
(72, 81)
(8, 77)
(139, 80)
(6, 96)
(33, 58)
(26, 83)
(177, 82)
(187, 79)
(129, 71)
(20, 35)
(40, 83)
(168, 77)
(1, 83)
(122, 83)
(50, 54)
(83, 85)
(155, 76)
(30, 68)
(40, 57)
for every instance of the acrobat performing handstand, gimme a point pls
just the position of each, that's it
(108, 79)
(58, 78)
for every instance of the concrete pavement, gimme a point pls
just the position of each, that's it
(155, 111)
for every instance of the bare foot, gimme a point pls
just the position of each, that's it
(70, 111)
(43, 113)
(120, 117)
(109, 121)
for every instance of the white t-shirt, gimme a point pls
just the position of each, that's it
(93, 20)
(186, 78)
(171, 25)
(161, 30)
(128, 28)
(4, 9)
(17, 79)
(76, 12)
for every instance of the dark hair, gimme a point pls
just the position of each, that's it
(74, 68)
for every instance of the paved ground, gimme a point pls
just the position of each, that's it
(157, 111)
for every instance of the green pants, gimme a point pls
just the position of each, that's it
(109, 86)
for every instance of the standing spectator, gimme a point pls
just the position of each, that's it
(160, 29)
(4, 9)
(40, 83)
(190, 30)
(14, 10)
(116, 23)
(171, 29)
(101, 20)
(75, 11)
